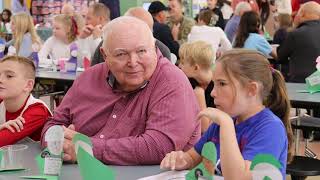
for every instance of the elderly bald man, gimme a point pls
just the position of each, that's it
(140, 13)
(302, 46)
(135, 107)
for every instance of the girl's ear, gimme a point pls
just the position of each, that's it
(196, 67)
(253, 88)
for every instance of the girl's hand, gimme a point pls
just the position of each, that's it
(215, 115)
(14, 125)
(176, 160)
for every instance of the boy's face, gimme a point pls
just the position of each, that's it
(13, 80)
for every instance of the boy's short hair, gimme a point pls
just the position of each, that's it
(101, 10)
(29, 67)
(198, 52)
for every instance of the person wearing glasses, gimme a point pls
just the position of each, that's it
(135, 107)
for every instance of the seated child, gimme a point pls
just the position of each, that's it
(21, 115)
(196, 61)
(24, 34)
(65, 30)
(252, 117)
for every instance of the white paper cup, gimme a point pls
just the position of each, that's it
(12, 156)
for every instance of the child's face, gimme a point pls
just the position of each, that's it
(5, 15)
(187, 68)
(13, 81)
(232, 100)
(59, 31)
(211, 4)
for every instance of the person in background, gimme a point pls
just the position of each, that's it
(251, 118)
(226, 9)
(302, 45)
(248, 35)
(134, 107)
(6, 20)
(90, 36)
(285, 25)
(65, 32)
(217, 17)
(197, 62)
(212, 35)
(21, 115)
(161, 30)
(233, 24)
(18, 6)
(68, 9)
(142, 14)
(114, 6)
(253, 4)
(179, 24)
(24, 34)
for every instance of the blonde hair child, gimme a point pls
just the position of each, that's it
(197, 61)
(65, 31)
(24, 34)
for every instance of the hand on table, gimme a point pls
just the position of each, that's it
(69, 154)
(176, 160)
(15, 125)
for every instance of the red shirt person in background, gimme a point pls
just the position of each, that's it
(21, 115)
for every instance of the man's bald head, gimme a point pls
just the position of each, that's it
(133, 26)
(141, 14)
(309, 11)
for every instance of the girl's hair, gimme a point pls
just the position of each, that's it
(9, 15)
(198, 52)
(249, 23)
(24, 24)
(264, 7)
(205, 15)
(250, 65)
(285, 21)
(71, 24)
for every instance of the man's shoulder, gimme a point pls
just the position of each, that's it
(169, 73)
(95, 71)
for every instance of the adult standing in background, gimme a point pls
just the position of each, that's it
(18, 6)
(232, 25)
(114, 7)
(161, 31)
(179, 24)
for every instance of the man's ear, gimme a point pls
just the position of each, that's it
(104, 56)
(29, 85)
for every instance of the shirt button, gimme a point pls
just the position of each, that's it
(101, 136)
(114, 116)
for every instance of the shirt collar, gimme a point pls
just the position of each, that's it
(111, 80)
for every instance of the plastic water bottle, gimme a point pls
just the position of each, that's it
(2, 47)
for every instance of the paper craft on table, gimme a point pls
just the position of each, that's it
(90, 167)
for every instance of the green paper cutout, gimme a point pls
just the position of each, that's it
(209, 153)
(313, 82)
(91, 168)
(40, 160)
(265, 158)
(41, 177)
(81, 137)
